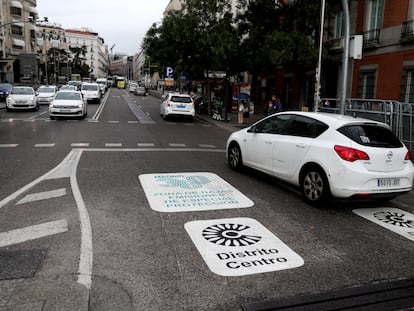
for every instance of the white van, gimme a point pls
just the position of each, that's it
(103, 84)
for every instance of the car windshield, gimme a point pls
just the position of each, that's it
(181, 99)
(6, 86)
(89, 87)
(68, 96)
(371, 135)
(46, 90)
(22, 91)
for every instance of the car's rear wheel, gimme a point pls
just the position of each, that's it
(314, 186)
(234, 156)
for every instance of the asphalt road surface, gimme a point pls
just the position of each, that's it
(147, 215)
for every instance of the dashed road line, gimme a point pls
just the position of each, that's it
(133, 122)
(43, 196)
(206, 146)
(33, 232)
(113, 122)
(8, 145)
(79, 145)
(177, 145)
(113, 145)
(44, 145)
(146, 145)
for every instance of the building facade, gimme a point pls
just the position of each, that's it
(18, 40)
(96, 56)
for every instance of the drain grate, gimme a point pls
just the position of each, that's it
(395, 295)
(20, 264)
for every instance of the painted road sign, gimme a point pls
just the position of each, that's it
(240, 246)
(393, 219)
(184, 192)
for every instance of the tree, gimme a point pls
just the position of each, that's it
(79, 54)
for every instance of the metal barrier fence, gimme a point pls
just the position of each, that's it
(398, 115)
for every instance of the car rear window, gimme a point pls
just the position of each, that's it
(371, 135)
(181, 99)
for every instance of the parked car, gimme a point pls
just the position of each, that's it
(21, 97)
(132, 86)
(325, 155)
(5, 90)
(68, 103)
(140, 90)
(91, 92)
(176, 104)
(46, 94)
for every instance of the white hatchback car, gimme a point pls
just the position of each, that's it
(46, 94)
(91, 92)
(68, 103)
(325, 155)
(176, 104)
(22, 97)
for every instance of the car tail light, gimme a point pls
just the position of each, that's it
(408, 155)
(350, 154)
(168, 103)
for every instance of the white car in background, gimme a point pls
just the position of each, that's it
(91, 92)
(46, 94)
(68, 103)
(325, 155)
(176, 104)
(103, 84)
(21, 97)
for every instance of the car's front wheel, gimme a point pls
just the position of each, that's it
(234, 156)
(314, 186)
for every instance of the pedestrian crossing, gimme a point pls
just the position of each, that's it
(113, 145)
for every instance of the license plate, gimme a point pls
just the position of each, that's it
(180, 106)
(388, 182)
(64, 110)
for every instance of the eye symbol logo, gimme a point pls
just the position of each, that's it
(396, 219)
(229, 235)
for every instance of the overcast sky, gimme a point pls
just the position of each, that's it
(120, 22)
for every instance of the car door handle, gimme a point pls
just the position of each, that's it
(269, 142)
(301, 146)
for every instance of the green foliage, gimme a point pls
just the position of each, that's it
(206, 36)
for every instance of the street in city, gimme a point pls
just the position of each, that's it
(126, 211)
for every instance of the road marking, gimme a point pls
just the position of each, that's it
(29, 120)
(113, 122)
(44, 145)
(113, 145)
(394, 219)
(8, 145)
(146, 145)
(177, 145)
(240, 246)
(43, 196)
(133, 122)
(79, 145)
(93, 121)
(33, 232)
(67, 169)
(184, 192)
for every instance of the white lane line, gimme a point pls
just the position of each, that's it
(113, 122)
(133, 122)
(113, 145)
(43, 196)
(146, 145)
(67, 169)
(29, 120)
(206, 125)
(33, 232)
(44, 145)
(177, 145)
(206, 146)
(8, 145)
(7, 121)
(93, 121)
(79, 145)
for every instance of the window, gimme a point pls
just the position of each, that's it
(272, 125)
(366, 88)
(371, 135)
(407, 86)
(15, 11)
(373, 21)
(17, 30)
(339, 25)
(306, 127)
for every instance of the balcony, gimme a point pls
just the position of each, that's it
(407, 32)
(371, 38)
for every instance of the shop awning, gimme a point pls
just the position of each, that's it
(16, 4)
(18, 42)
